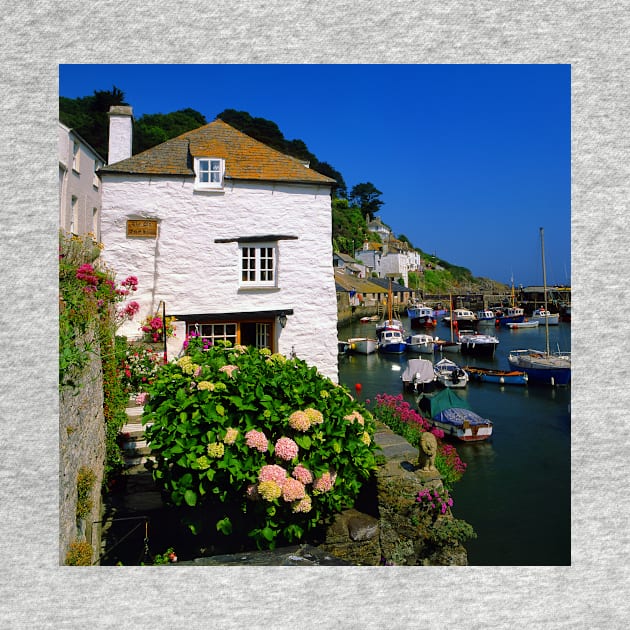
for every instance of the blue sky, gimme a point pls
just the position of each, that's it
(471, 159)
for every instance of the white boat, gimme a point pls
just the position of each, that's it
(450, 374)
(362, 345)
(369, 318)
(486, 318)
(419, 376)
(542, 314)
(543, 366)
(441, 345)
(525, 324)
(424, 344)
(461, 316)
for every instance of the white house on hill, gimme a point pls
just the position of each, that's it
(231, 235)
(79, 184)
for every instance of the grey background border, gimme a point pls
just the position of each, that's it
(592, 37)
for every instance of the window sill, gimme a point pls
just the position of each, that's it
(208, 189)
(258, 287)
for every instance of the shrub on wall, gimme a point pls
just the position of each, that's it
(85, 485)
(254, 444)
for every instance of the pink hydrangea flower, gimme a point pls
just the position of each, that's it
(299, 421)
(256, 439)
(302, 474)
(286, 449)
(324, 483)
(304, 505)
(273, 472)
(141, 398)
(293, 490)
(228, 369)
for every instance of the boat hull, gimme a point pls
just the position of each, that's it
(395, 347)
(463, 424)
(362, 345)
(541, 369)
(479, 349)
(500, 377)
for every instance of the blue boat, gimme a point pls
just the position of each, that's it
(391, 341)
(501, 377)
(542, 367)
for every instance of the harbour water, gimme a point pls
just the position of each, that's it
(516, 491)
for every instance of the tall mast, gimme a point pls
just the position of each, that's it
(542, 249)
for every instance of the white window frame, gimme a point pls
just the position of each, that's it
(254, 267)
(210, 169)
(76, 156)
(219, 331)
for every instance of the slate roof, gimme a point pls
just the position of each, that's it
(245, 158)
(346, 282)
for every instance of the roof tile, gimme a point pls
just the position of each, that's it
(245, 158)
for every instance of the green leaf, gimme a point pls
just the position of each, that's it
(224, 526)
(303, 441)
(268, 533)
(190, 497)
(221, 410)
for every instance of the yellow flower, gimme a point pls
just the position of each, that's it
(269, 490)
(206, 385)
(203, 462)
(365, 438)
(216, 449)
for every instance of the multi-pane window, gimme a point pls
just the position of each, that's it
(258, 265)
(209, 173)
(215, 332)
(76, 154)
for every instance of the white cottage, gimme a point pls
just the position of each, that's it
(233, 237)
(79, 185)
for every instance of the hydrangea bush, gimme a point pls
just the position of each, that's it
(254, 444)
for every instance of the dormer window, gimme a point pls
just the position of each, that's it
(209, 173)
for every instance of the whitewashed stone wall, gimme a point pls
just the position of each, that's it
(193, 274)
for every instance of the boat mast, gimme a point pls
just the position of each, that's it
(450, 303)
(542, 249)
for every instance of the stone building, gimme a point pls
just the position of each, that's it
(231, 236)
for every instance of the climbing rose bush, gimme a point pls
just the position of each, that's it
(253, 444)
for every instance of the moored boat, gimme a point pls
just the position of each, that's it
(419, 376)
(369, 318)
(542, 367)
(362, 345)
(342, 346)
(501, 377)
(486, 318)
(450, 374)
(424, 344)
(525, 324)
(542, 314)
(421, 316)
(513, 314)
(441, 345)
(454, 416)
(460, 316)
(391, 342)
(478, 345)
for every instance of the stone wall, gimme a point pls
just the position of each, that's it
(81, 444)
(398, 532)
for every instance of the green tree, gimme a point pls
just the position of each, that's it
(87, 115)
(366, 196)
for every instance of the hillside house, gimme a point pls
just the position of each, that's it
(79, 184)
(233, 237)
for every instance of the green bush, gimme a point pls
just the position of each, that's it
(254, 444)
(85, 483)
(79, 554)
(451, 531)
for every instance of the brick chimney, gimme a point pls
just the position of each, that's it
(120, 133)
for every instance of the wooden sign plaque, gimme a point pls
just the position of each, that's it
(145, 228)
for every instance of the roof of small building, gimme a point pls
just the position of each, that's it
(347, 282)
(245, 158)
